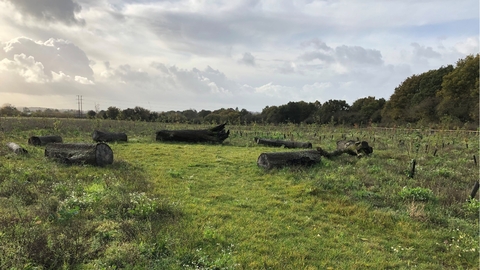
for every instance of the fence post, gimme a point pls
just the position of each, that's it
(412, 170)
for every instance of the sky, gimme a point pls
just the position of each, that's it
(248, 54)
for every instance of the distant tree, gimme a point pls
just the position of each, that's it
(91, 114)
(9, 110)
(112, 112)
(102, 114)
(203, 113)
(335, 111)
(460, 91)
(141, 114)
(415, 98)
(127, 114)
(366, 110)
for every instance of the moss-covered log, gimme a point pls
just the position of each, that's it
(44, 140)
(100, 136)
(216, 134)
(17, 149)
(354, 148)
(280, 143)
(99, 154)
(282, 159)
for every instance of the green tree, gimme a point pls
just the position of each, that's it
(415, 98)
(459, 94)
(91, 114)
(9, 110)
(112, 112)
(335, 111)
(366, 110)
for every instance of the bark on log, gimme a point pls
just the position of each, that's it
(354, 148)
(44, 140)
(99, 154)
(216, 134)
(17, 149)
(100, 136)
(282, 159)
(280, 143)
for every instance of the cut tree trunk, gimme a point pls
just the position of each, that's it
(354, 148)
(99, 154)
(214, 135)
(100, 136)
(282, 159)
(17, 149)
(44, 140)
(280, 143)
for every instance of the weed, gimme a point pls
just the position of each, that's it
(417, 194)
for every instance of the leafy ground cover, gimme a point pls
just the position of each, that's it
(195, 206)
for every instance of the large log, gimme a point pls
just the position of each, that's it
(100, 136)
(99, 154)
(216, 134)
(44, 140)
(280, 143)
(354, 148)
(282, 159)
(17, 149)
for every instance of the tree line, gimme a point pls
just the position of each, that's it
(448, 96)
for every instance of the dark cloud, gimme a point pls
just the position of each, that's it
(247, 59)
(63, 11)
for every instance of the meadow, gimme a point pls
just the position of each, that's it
(209, 206)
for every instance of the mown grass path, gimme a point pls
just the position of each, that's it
(278, 219)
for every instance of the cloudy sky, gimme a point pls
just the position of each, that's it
(199, 54)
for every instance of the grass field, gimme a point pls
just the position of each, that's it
(201, 206)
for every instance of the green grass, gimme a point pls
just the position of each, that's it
(194, 206)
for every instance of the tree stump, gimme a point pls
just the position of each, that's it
(280, 143)
(214, 135)
(354, 148)
(100, 136)
(44, 140)
(17, 149)
(99, 154)
(282, 159)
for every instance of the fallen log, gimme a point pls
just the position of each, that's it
(216, 134)
(280, 143)
(44, 140)
(282, 159)
(100, 136)
(354, 148)
(99, 154)
(17, 149)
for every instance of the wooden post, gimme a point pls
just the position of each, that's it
(474, 190)
(412, 170)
